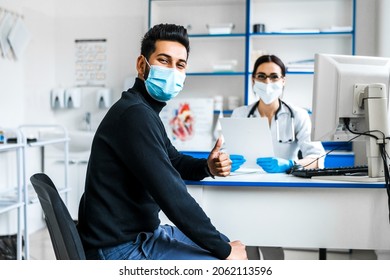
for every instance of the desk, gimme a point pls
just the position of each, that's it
(283, 210)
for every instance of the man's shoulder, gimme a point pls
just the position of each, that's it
(129, 112)
(133, 101)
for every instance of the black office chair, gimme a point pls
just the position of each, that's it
(62, 229)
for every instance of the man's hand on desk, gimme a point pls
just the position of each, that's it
(238, 251)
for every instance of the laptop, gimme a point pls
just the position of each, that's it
(250, 137)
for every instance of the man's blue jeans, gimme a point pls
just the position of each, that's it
(165, 243)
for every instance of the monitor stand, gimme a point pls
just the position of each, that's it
(373, 100)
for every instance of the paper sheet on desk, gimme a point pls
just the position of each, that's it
(245, 171)
(250, 137)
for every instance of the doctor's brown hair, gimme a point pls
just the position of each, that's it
(269, 58)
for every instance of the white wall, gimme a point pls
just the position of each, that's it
(49, 60)
(122, 24)
(383, 28)
(366, 27)
(40, 62)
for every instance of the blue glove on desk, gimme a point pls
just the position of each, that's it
(274, 164)
(237, 161)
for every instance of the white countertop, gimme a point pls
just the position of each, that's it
(260, 179)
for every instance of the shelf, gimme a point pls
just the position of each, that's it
(9, 147)
(18, 197)
(197, 14)
(203, 2)
(349, 33)
(6, 206)
(225, 35)
(299, 72)
(58, 134)
(11, 198)
(296, 32)
(41, 143)
(224, 112)
(295, 72)
(215, 73)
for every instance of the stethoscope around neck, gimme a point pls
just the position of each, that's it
(292, 138)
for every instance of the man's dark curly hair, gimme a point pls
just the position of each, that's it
(166, 32)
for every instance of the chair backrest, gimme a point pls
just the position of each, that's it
(62, 229)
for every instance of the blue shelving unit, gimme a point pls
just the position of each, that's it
(246, 33)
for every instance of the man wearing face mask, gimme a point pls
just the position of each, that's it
(290, 127)
(134, 172)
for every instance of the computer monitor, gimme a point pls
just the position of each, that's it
(350, 97)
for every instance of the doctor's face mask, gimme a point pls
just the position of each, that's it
(268, 92)
(164, 83)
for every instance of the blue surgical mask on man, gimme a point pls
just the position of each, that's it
(164, 83)
(268, 92)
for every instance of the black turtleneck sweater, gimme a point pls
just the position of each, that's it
(133, 173)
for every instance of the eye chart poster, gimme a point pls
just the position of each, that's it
(91, 62)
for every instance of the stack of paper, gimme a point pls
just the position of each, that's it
(337, 29)
(300, 30)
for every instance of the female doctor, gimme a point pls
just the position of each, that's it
(290, 129)
(290, 126)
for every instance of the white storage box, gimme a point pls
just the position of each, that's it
(220, 28)
(225, 65)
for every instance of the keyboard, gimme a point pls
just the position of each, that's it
(361, 170)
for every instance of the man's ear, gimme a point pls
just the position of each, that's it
(141, 67)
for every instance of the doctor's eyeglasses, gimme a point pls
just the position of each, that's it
(262, 77)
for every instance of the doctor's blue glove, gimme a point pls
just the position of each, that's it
(237, 161)
(274, 164)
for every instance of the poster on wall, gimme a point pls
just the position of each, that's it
(90, 62)
(189, 122)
